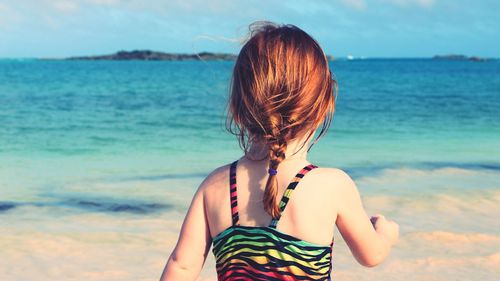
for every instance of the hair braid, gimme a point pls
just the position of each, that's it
(277, 149)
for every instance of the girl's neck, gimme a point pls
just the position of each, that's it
(296, 149)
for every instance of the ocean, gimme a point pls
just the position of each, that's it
(99, 161)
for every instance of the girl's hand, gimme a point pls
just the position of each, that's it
(387, 228)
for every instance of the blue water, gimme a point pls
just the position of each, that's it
(67, 123)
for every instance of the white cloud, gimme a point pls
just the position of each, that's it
(362, 4)
(4, 9)
(355, 4)
(8, 16)
(421, 3)
(51, 22)
(104, 2)
(217, 38)
(425, 3)
(65, 6)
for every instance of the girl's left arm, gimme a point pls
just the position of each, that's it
(188, 257)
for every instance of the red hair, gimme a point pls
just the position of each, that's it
(281, 89)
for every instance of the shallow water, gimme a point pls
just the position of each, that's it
(99, 160)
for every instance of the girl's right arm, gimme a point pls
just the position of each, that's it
(369, 240)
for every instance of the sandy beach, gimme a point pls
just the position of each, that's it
(443, 236)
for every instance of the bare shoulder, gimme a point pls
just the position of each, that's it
(215, 183)
(215, 190)
(334, 180)
(214, 179)
(333, 173)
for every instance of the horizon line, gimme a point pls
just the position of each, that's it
(330, 57)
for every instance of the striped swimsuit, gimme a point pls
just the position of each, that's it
(265, 253)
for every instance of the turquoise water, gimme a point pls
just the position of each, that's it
(64, 122)
(97, 153)
(389, 112)
(77, 120)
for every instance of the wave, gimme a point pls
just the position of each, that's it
(158, 177)
(96, 205)
(355, 172)
(454, 237)
(363, 171)
(5, 206)
(115, 206)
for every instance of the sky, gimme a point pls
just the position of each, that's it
(361, 28)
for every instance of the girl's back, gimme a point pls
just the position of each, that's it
(311, 205)
(257, 247)
(270, 225)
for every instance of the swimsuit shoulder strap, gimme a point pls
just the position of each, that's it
(233, 194)
(288, 192)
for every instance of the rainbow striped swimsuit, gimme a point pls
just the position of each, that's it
(265, 253)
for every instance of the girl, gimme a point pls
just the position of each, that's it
(270, 214)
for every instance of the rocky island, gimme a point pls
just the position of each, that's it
(458, 57)
(153, 55)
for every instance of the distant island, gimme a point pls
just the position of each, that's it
(458, 57)
(149, 55)
(153, 55)
(160, 56)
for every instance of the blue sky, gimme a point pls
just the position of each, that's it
(372, 28)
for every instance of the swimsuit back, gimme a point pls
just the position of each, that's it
(265, 253)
